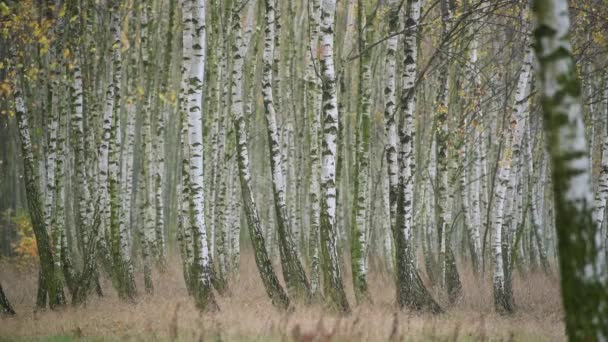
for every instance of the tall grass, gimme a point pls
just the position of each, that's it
(246, 313)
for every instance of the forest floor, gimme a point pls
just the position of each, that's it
(246, 314)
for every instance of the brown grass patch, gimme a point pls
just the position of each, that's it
(246, 314)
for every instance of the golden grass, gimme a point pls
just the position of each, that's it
(246, 314)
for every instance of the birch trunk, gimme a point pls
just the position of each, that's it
(293, 272)
(601, 193)
(583, 269)
(411, 292)
(202, 266)
(48, 274)
(503, 296)
(159, 142)
(124, 224)
(329, 234)
(185, 223)
(359, 229)
(534, 177)
(147, 231)
(120, 249)
(84, 217)
(103, 163)
(449, 277)
(313, 103)
(271, 283)
(474, 189)
(62, 257)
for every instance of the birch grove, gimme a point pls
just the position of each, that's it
(359, 153)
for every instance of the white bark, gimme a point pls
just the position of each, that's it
(582, 268)
(506, 180)
(195, 132)
(314, 111)
(329, 234)
(78, 143)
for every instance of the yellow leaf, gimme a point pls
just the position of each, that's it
(5, 89)
(4, 10)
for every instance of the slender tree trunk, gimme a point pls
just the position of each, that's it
(447, 268)
(271, 283)
(329, 234)
(411, 292)
(534, 210)
(185, 224)
(5, 305)
(48, 274)
(313, 104)
(503, 296)
(359, 229)
(147, 230)
(120, 252)
(202, 268)
(293, 272)
(601, 193)
(159, 142)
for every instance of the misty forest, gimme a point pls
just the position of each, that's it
(316, 170)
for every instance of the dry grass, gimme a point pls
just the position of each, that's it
(246, 314)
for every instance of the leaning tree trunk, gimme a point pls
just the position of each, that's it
(329, 234)
(411, 292)
(5, 305)
(584, 281)
(273, 288)
(293, 272)
(48, 273)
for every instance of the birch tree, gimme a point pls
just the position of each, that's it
(274, 290)
(202, 265)
(313, 104)
(329, 234)
(49, 276)
(444, 199)
(503, 293)
(293, 272)
(583, 270)
(147, 231)
(411, 292)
